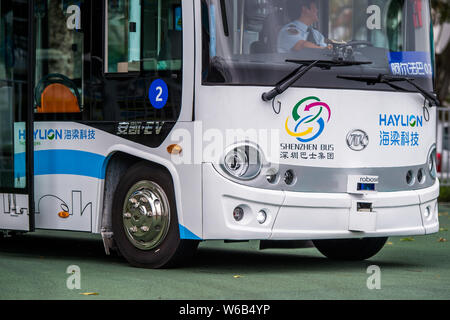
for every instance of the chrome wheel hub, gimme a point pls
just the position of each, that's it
(146, 215)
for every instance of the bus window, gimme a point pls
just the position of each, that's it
(346, 22)
(59, 56)
(123, 40)
(163, 35)
(395, 26)
(341, 20)
(142, 43)
(13, 89)
(161, 38)
(249, 42)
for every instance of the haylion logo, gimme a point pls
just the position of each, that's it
(43, 134)
(310, 116)
(400, 120)
(59, 134)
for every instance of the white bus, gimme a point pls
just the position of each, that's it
(162, 123)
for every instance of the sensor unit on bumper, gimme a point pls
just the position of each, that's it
(362, 184)
(362, 218)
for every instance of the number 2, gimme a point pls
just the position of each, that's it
(158, 97)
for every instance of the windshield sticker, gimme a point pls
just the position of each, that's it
(410, 63)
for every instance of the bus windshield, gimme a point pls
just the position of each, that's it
(247, 42)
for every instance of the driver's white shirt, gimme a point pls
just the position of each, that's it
(294, 31)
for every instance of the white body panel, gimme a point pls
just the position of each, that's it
(91, 186)
(56, 193)
(14, 212)
(243, 109)
(303, 215)
(70, 173)
(297, 215)
(206, 199)
(84, 178)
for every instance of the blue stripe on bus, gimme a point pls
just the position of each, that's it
(185, 233)
(74, 162)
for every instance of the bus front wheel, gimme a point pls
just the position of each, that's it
(350, 249)
(144, 219)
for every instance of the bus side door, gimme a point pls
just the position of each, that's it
(16, 115)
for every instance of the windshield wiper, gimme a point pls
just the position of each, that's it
(305, 66)
(387, 79)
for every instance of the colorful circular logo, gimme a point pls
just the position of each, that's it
(310, 116)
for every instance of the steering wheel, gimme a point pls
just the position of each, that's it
(54, 78)
(352, 43)
(345, 50)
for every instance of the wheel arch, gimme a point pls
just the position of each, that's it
(115, 165)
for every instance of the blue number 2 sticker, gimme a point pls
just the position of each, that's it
(158, 94)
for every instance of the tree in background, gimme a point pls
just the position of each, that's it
(441, 15)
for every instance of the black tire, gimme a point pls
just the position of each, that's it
(171, 251)
(350, 249)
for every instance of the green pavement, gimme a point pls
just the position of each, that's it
(33, 266)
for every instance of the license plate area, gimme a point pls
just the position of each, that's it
(364, 206)
(362, 217)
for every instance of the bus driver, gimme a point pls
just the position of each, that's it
(299, 34)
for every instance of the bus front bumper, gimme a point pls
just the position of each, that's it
(309, 216)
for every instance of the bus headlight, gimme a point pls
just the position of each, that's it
(243, 162)
(432, 162)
